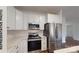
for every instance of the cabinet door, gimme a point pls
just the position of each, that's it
(22, 46)
(54, 18)
(36, 19)
(26, 20)
(42, 21)
(11, 18)
(13, 49)
(44, 43)
(30, 17)
(19, 20)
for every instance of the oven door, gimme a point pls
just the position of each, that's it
(34, 45)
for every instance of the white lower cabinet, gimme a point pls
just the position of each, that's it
(22, 46)
(12, 49)
(44, 43)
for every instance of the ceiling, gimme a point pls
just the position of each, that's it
(71, 13)
(48, 9)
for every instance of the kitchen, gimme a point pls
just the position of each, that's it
(43, 29)
(19, 26)
(40, 29)
(25, 22)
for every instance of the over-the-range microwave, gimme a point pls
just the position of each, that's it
(33, 26)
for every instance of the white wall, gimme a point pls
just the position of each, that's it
(73, 30)
(72, 18)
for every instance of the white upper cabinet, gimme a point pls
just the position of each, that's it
(11, 18)
(34, 18)
(54, 18)
(42, 21)
(26, 19)
(19, 20)
(30, 17)
(15, 19)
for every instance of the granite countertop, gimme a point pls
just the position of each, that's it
(68, 50)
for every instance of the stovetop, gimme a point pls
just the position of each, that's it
(34, 37)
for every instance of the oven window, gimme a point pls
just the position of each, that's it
(34, 45)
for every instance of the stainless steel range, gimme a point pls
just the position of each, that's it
(34, 42)
(33, 36)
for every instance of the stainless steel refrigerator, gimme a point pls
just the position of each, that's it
(53, 32)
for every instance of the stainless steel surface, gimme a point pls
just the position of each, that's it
(53, 32)
(59, 39)
(32, 36)
(51, 36)
(32, 26)
(1, 29)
